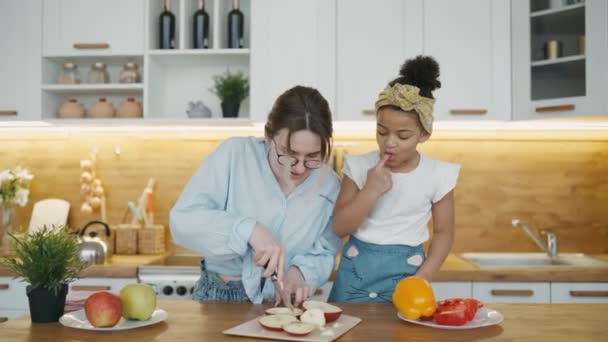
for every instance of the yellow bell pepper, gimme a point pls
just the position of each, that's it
(414, 298)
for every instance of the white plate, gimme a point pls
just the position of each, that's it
(78, 320)
(483, 318)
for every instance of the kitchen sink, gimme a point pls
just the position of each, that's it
(526, 260)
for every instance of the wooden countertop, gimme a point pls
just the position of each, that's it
(454, 269)
(194, 321)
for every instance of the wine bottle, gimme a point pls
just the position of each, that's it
(200, 27)
(235, 26)
(167, 27)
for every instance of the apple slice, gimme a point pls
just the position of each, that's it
(299, 328)
(276, 322)
(284, 311)
(314, 316)
(331, 312)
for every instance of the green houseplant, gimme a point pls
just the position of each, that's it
(48, 260)
(231, 88)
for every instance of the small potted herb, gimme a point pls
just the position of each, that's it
(48, 260)
(232, 89)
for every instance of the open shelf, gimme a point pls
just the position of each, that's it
(94, 88)
(559, 10)
(558, 60)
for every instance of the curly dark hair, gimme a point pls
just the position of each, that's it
(422, 72)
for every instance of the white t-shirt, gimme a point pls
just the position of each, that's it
(400, 215)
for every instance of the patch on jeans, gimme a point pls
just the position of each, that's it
(352, 252)
(415, 260)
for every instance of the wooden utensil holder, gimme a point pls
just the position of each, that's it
(151, 239)
(126, 238)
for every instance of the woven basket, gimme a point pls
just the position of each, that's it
(126, 238)
(151, 239)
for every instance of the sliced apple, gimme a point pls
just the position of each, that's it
(314, 316)
(284, 311)
(276, 322)
(299, 328)
(331, 312)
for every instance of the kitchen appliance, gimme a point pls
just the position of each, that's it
(170, 282)
(92, 249)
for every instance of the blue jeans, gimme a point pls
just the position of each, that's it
(210, 287)
(368, 273)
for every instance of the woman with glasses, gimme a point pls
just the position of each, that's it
(262, 206)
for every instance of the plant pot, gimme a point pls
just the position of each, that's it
(230, 109)
(45, 306)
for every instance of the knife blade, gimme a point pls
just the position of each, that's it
(278, 289)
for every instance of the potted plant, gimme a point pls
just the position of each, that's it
(231, 88)
(48, 260)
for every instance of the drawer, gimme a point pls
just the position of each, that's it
(11, 314)
(579, 292)
(498, 292)
(452, 289)
(12, 294)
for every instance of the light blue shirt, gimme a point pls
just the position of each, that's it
(234, 189)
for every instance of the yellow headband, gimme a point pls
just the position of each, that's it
(408, 98)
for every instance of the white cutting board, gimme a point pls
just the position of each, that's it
(330, 332)
(49, 211)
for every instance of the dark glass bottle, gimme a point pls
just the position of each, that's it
(235, 26)
(166, 33)
(200, 27)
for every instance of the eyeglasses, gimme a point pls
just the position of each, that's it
(287, 160)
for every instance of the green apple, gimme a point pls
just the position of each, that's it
(138, 301)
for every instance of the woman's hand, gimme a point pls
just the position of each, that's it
(295, 283)
(267, 251)
(379, 179)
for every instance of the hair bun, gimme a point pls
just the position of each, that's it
(422, 72)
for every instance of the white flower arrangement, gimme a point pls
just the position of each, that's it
(14, 186)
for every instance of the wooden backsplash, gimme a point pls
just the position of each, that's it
(546, 179)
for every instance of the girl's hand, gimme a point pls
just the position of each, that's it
(379, 179)
(295, 283)
(267, 250)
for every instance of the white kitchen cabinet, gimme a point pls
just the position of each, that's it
(93, 27)
(20, 70)
(12, 294)
(473, 56)
(512, 292)
(101, 284)
(579, 292)
(571, 83)
(452, 289)
(293, 43)
(373, 41)
(12, 314)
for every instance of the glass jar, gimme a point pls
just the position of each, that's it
(129, 73)
(69, 74)
(99, 73)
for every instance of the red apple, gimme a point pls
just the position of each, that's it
(331, 312)
(276, 322)
(284, 311)
(299, 328)
(103, 309)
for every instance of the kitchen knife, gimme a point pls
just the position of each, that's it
(285, 297)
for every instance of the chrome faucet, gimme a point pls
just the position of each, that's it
(550, 248)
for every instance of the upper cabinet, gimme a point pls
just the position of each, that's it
(559, 58)
(471, 41)
(372, 43)
(93, 27)
(293, 43)
(473, 54)
(20, 70)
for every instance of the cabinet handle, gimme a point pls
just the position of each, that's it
(91, 46)
(8, 112)
(589, 293)
(560, 108)
(3, 319)
(368, 112)
(518, 293)
(91, 288)
(4, 286)
(468, 111)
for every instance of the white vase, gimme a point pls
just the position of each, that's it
(8, 219)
